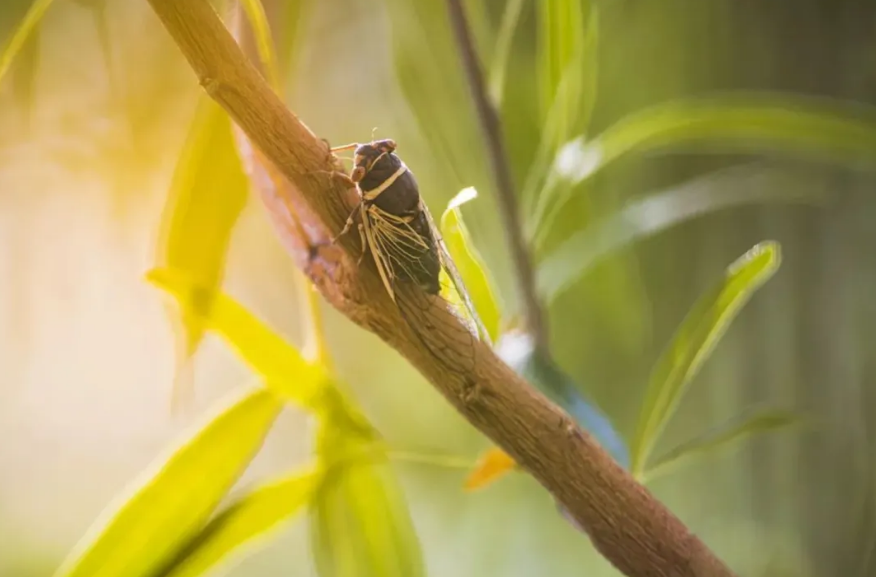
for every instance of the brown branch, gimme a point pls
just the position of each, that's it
(533, 313)
(626, 524)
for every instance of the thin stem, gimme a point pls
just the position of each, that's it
(533, 314)
(443, 461)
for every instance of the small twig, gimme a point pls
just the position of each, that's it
(533, 313)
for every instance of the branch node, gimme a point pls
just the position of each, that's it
(470, 393)
(212, 86)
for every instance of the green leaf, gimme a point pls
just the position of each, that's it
(208, 192)
(255, 13)
(250, 519)
(283, 368)
(504, 41)
(438, 94)
(710, 442)
(176, 496)
(566, 70)
(572, 106)
(19, 38)
(294, 16)
(765, 124)
(469, 262)
(660, 211)
(360, 524)
(695, 340)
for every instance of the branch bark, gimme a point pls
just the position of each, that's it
(633, 530)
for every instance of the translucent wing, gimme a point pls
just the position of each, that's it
(455, 277)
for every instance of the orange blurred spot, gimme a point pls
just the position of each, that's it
(493, 464)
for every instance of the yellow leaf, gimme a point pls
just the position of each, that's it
(494, 463)
(27, 27)
(469, 263)
(177, 496)
(285, 371)
(360, 523)
(208, 193)
(246, 521)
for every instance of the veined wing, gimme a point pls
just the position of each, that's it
(455, 277)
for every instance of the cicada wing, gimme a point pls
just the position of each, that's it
(455, 278)
(380, 255)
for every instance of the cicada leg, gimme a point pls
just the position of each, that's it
(351, 220)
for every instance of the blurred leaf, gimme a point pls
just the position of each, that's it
(233, 532)
(360, 524)
(283, 368)
(177, 496)
(294, 14)
(695, 340)
(438, 94)
(708, 443)
(787, 125)
(504, 42)
(566, 71)
(569, 112)
(660, 211)
(469, 263)
(208, 192)
(24, 75)
(359, 521)
(518, 350)
(255, 13)
(24, 31)
(493, 464)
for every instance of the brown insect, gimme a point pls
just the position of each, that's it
(395, 225)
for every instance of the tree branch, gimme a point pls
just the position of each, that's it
(625, 523)
(533, 313)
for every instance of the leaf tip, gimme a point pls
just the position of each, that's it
(494, 464)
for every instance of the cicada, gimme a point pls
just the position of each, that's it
(395, 225)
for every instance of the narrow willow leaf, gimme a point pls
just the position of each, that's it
(255, 13)
(360, 524)
(244, 524)
(285, 371)
(469, 263)
(749, 184)
(504, 41)
(695, 340)
(712, 441)
(208, 192)
(177, 496)
(24, 31)
(765, 124)
(438, 95)
(569, 113)
(24, 76)
(294, 14)
(564, 36)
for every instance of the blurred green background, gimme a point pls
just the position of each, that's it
(93, 116)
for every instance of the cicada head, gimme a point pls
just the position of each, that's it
(374, 162)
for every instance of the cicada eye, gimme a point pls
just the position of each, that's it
(358, 174)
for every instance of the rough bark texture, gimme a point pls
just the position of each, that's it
(634, 531)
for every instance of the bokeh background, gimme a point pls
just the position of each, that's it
(92, 119)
